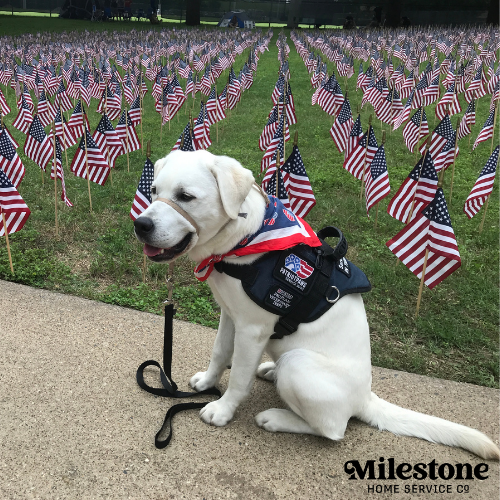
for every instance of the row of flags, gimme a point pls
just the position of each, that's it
(66, 71)
(284, 178)
(427, 244)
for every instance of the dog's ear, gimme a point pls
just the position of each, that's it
(159, 165)
(234, 183)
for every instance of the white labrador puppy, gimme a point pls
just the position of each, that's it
(323, 370)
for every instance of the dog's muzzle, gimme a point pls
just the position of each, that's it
(144, 225)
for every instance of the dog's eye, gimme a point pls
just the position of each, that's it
(185, 197)
(153, 189)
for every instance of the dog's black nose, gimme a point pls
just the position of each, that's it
(143, 225)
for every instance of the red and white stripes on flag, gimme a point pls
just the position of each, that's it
(431, 229)
(12, 205)
(297, 184)
(127, 133)
(342, 126)
(377, 180)
(10, 163)
(401, 204)
(98, 169)
(362, 155)
(38, 147)
(416, 128)
(142, 198)
(483, 186)
(108, 141)
(487, 130)
(60, 172)
(24, 117)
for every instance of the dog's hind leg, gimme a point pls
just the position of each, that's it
(279, 420)
(267, 371)
(315, 391)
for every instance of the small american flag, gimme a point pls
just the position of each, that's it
(416, 128)
(12, 205)
(377, 180)
(76, 121)
(98, 169)
(354, 136)
(487, 130)
(483, 186)
(38, 147)
(431, 229)
(10, 162)
(423, 174)
(142, 198)
(440, 136)
(468, 121)
(281, 192)
(342, 126)
(297, 184)
(24, 117)
(186, 140)
(358, 161)
(108, 141)
(60, 173)
(45, 110)
(127, 133)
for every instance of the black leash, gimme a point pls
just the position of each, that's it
(170, 387)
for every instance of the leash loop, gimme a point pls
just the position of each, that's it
(169, 389)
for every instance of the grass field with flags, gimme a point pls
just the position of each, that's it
(96, 254)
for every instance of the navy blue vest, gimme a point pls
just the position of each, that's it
(300, 283)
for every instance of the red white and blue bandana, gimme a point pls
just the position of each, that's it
(281, 229)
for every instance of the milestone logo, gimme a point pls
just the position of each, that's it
(387, 469)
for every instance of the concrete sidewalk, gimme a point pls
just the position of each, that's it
(75, 424)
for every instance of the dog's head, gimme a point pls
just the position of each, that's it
(194, 195)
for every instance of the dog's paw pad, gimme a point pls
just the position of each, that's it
(267, 371)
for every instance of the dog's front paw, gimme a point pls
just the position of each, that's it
(216, 413)
(201, 381)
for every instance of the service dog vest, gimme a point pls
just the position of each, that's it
(300, 283)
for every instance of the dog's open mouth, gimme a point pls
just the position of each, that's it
(161, 254)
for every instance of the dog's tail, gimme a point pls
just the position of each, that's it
(401, 421)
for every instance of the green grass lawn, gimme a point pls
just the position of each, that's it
(97, 256)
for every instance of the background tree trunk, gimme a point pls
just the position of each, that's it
(393, 12)
(493, 13)
(193, 12)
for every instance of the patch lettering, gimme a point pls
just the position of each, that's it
(343, 267)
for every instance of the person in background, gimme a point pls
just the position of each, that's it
(349, 23)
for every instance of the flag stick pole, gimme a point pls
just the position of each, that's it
(468, 122)
(126, 131)
(422, 280)
(419, 129)
(484, 215)
(454, 159)
(145, 262)
(376, 206)
(278, 161)
(364, 159)
(55, 176)
(494, 125)
(87, 163)
(7, 241)
(142, 136)
(427, 146)
(64, 136)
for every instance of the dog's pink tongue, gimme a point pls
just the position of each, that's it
(151, 251)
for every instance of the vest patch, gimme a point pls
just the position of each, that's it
(343, 266)
(280, 299)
